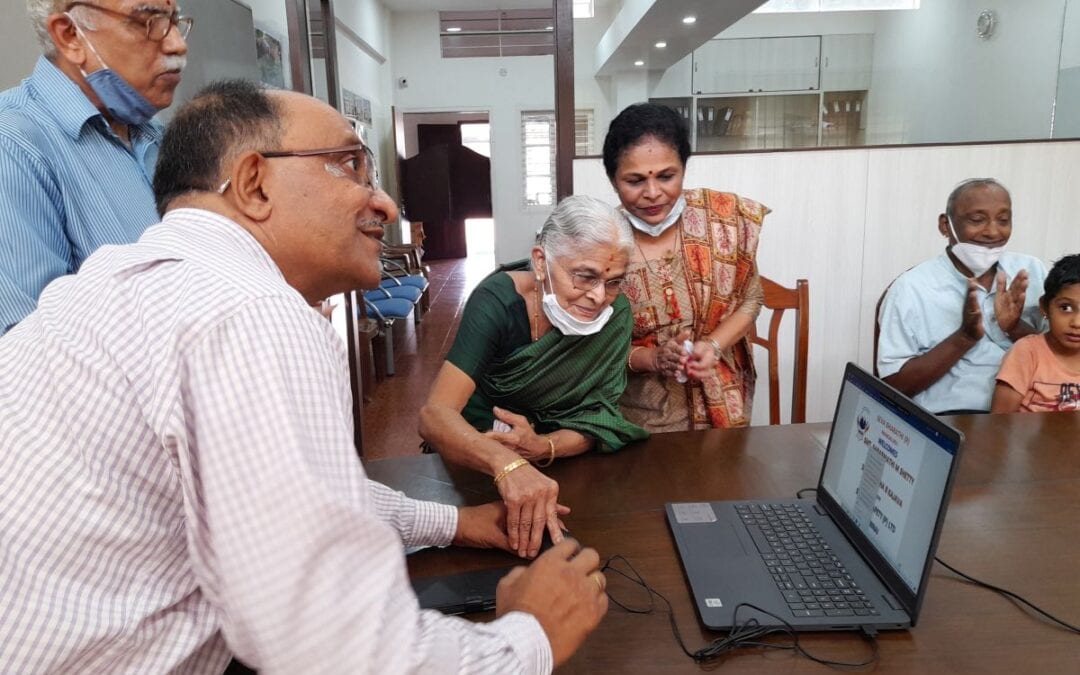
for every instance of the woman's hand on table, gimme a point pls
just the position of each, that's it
(531, 500)
(521, 438)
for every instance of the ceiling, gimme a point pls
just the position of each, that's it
(639, 24)
(636, 26)
(457, 5)
(466, 5)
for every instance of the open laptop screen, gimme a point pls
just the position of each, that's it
(887, 468)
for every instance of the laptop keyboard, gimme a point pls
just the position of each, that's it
(810, 576)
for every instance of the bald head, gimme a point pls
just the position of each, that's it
(987, 184)
(224, 120)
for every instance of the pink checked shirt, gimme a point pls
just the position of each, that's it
(178, 483)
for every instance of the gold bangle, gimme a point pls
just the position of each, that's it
(551, 444)
(517, 463)
(630, 359)
(716, 347)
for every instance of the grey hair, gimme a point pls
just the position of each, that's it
(580, 221)
(971, 183)
(41, 10)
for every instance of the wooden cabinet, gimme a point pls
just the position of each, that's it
(846, 61)
(757, 65)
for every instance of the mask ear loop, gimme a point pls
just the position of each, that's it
(93, 50)
(547, 280)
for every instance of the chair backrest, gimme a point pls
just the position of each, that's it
(780, 299)
(877, 322)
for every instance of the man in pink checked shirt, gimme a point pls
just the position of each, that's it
(178, 484)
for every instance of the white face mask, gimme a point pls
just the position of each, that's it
(976, 258)
(658, 229)
(562, 319)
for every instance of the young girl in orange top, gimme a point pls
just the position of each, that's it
(1041, 373)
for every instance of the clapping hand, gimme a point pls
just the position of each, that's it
(971, 324)
(1009, 303)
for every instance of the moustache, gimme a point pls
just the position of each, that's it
(175, 62)
(373, 224)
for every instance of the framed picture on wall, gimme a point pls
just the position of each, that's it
(270, 58)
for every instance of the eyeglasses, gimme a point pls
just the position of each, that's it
(585, 281)
(359, 161)
(158, 24)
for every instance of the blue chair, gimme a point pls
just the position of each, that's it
(396, 275)
(386, 310)
(409, 294)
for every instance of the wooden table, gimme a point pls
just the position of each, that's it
(1014, 521)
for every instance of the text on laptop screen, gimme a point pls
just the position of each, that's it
(888, 471)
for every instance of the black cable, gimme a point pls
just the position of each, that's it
(748, 634)
(1009, 594)
(1005, 592)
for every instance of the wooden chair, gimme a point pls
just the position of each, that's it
(780, 299)
(877, 322)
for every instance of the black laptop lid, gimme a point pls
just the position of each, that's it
(886, 480)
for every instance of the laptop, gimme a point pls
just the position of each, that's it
(860, 554)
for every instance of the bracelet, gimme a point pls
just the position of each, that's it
(516, 464)
(630, 359)
(716, 347)
(551, 445)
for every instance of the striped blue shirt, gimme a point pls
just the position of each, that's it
(68, 185)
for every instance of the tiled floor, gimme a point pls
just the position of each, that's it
(390, 418)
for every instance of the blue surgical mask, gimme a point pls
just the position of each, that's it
(121, 100)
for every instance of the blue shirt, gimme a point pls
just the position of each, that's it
(68, 185)
(925, 305)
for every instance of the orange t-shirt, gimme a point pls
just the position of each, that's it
(1033, 370)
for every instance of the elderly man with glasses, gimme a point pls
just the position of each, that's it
(178, 480)
(77, 142)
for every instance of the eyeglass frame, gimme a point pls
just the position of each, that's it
(365, 153)
(371, 169)
(183, 24)
(596, 281)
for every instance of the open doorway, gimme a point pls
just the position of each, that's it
(479, 232)
(444, 163)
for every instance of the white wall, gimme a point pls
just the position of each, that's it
(503, 86)
(590, 92)
(18, 45)
(850, 221)
(363, 36)
(802, 23)
(935, 81)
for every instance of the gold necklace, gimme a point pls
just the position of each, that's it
(536, 311)
(670, 254)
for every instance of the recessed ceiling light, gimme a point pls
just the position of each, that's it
(689, 19)
(639, 62)
(661, 44)
(453, 29)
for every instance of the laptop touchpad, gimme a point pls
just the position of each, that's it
(715, 540)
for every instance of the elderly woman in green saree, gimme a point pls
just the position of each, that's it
(538, 365)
